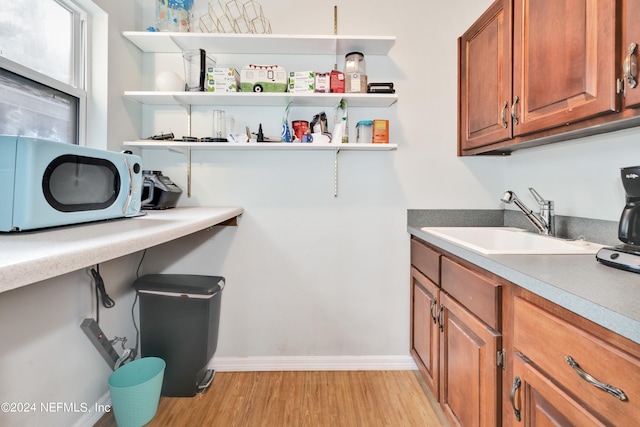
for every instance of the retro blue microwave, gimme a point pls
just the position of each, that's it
(48, 184)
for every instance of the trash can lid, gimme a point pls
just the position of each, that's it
(180, 283)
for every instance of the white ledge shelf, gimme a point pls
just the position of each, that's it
(281, 44)
(262, 99)
(182, 146)
(31, 256)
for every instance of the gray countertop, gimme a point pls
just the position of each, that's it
(604, 295)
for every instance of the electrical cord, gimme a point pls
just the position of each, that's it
(134, 351)
(107, 302)
(101, 292)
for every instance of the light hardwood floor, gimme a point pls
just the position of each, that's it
(299, 399)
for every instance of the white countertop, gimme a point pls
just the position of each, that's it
(29, 257)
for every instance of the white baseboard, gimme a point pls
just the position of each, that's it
(95, 412)
(313, 363)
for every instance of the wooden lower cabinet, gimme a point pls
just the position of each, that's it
(425, 334)
(454, 348)
(469, 376)
(573, 372)
(495, 354)
(537, 401)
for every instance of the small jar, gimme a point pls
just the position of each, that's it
(355, 73)
(364, 132)
(354, 63)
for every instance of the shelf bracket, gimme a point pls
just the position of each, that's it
(189, 172)
(335, 171)
(188, 108)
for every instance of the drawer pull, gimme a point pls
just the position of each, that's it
(616, 392)
(512, 396)
(432, 312)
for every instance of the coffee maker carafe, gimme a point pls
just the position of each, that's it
(629, 226)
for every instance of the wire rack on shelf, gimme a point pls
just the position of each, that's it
(234, 16)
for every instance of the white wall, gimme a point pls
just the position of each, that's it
(307, 274)
(582, 176)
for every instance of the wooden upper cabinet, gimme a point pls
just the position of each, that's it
(564, 64)
(485, 79)
(531, 70)
(631, 36)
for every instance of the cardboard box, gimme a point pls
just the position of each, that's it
(336, 83)
(356, 83)
(381, 131)
(323, 82)
(302, 81)
(222, 79)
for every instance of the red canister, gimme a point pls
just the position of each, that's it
(300, 127)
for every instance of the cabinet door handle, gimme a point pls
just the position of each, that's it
(512, 396)
(432, 312)
(616, 392)
(440, 318)
(503, 114)
(630, 65)
(514, 115)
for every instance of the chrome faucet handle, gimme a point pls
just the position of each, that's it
(539, 199)
(546, 212)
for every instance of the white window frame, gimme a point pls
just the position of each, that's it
(79, 72)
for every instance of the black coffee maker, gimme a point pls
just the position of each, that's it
(627, 255)
(159, 191)
(629, 227)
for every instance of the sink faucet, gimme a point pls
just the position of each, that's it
(544, 221)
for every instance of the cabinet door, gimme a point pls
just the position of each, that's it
(579, 362)
(469, 387)
(632, 35)
(564, 62)
(485, 79)
(536, 401)
(425, 334)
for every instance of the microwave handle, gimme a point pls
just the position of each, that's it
(130, 195)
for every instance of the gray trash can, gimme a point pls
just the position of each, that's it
(179, 320)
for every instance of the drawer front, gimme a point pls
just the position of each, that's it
(479, 295)
(426, 260)
(547, 340)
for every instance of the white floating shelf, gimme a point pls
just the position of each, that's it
(262, 99)
(180, 146)
(282, 44)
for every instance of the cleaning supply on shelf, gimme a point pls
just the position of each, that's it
(286, 132)
(341, 123)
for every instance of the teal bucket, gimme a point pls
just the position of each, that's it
(135, 391)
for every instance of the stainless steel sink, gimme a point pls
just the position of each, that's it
(509, 240)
